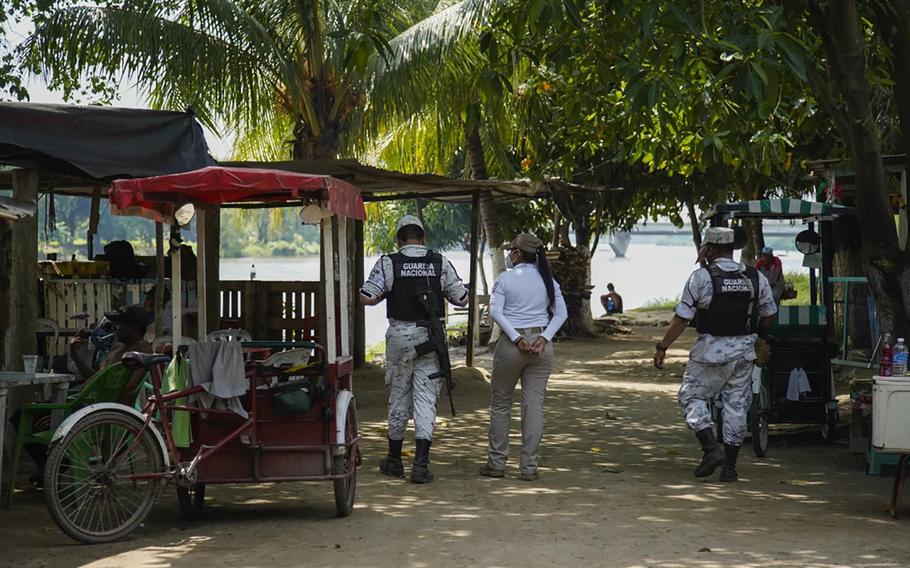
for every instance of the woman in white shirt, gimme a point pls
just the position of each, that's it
(528, 306)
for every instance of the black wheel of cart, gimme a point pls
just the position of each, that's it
(346, 489)
(829, 428)
(192, 501)
(758, 424)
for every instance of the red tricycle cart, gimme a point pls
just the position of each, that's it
(108, 463)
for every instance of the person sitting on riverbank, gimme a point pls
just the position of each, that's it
(611, 301)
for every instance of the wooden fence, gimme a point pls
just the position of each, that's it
(286, 311)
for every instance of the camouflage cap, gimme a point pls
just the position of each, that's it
(409, 220)
(719, 236)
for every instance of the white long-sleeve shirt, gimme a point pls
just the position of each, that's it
(519, 300)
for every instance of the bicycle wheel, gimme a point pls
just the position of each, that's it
(758, 426)
(90, 483)
(346, 489)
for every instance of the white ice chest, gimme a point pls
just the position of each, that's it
(891, 414)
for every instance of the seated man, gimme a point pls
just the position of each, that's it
(129, 327)
(611, 301)
(130, 323)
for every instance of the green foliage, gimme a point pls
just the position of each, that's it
(448, 225)
(676, 108)
(276, 72)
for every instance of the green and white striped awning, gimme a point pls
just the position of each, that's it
(778, 209)
(801, 316)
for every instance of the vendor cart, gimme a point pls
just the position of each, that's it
(108, 462)
(801, 336)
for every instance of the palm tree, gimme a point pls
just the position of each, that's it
(275, 72)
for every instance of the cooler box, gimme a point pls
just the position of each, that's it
(891, 414)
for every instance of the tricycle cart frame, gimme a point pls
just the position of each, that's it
(108, 462)
(801, 336)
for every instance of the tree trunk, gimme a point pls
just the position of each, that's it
(884, 265)
(307, 147)
(478, 164)
(4, 286)
(576, 209)
(481, 269)
(694, 224)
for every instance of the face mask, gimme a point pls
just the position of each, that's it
(509, 265)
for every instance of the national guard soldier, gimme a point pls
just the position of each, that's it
(414, 380)
(731, 304)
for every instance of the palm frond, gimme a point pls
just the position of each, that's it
(175, 64)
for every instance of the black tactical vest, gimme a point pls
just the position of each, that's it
(734, 304)
(412, 274)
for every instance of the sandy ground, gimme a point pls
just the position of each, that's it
(616, 490)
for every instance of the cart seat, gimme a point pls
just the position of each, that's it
(146, 360)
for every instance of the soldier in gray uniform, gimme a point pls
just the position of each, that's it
(732, 305)
(398, 278)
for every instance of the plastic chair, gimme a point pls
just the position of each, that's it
(293, 359)
(229, 335)
(167, 340)
(107, 385)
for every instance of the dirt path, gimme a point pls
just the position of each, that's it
(616, 490)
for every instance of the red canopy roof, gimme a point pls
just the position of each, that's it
(157, 197)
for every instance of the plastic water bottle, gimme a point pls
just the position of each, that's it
(899, 367)
(253, 272)
(886, 362)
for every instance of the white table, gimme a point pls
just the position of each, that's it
(59, 384)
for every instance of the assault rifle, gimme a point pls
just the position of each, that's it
(426, 297)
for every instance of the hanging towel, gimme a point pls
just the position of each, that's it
(175, 379)
(798, 384)
(804, 387)
(218, 368)
(793, 385)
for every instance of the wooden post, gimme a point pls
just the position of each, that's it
(176, 292)
(5, 230)
(328, 291)
(360, 334)
(23, 280)
(213, 269)
(201, 259)
(94, 215)
(159, 277)
(344, 288)
(473, 323)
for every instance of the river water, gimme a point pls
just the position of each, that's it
(648, 272)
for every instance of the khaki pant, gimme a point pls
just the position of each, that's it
(509, 365)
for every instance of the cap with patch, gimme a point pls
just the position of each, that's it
(134, 315)
(719, 236)
(409, 220)
(525, 242)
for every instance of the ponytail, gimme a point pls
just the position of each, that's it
(543, 266)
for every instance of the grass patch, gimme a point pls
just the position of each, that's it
(375, 352)
(800, 283)
(658, 305)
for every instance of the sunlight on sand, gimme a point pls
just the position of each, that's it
(152, 556)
